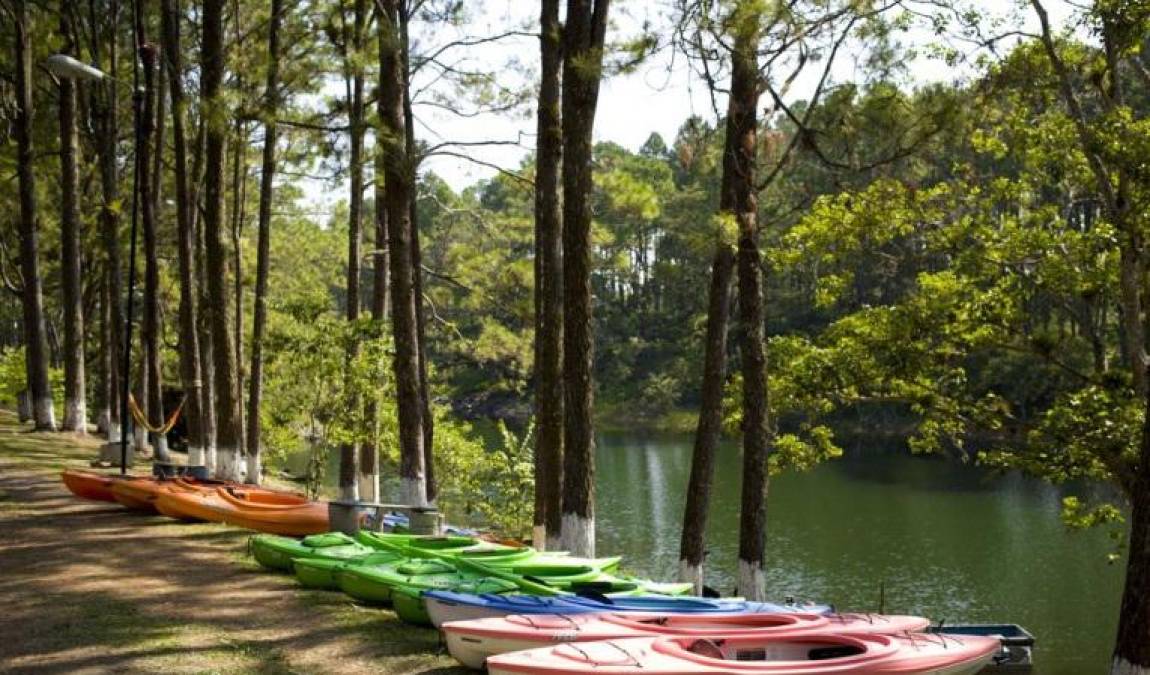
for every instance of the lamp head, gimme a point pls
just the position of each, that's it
(62, 65)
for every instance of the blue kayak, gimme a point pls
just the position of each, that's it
(444, 606)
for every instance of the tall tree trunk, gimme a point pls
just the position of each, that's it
(349, 473)
(692, 545)
(548, 288)
(1132, 647)
(263, 248)
(369, 452)
(740, 161)
(75, 397)
(399, 189)
(106, 104)
(583, 39)
(147, 187)
(227, 407)
(239, 202)
(428, 418)
(189, 338)
(203, 300)
(35, 344)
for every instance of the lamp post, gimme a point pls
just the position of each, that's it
(64, 66)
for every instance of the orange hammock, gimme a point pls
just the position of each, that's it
(142, 419)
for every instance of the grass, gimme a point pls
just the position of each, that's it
(92, 586)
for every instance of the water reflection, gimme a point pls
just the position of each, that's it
(946, 540)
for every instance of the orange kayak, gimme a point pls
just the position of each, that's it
(248, 507)
(141, 494)
(92, 485)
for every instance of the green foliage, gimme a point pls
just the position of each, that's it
(494, 485)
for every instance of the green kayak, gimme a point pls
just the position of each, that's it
(277, 553)
(373, 584)
(407, 601)
(323, 573)
(395, 541)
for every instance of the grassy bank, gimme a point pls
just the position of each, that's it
(90, 586)
(617, 417)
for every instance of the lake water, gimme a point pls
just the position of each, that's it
(949, 540)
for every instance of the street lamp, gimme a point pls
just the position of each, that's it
(64, 66)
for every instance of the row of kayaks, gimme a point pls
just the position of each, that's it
(238, 504)
(512, 609)
(402, 570)
(515, 610)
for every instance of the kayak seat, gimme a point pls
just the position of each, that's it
(836, 652)
(706, 648)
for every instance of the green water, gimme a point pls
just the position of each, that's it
(950, 541)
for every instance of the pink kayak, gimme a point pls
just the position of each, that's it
(471, 642)
(811, 654)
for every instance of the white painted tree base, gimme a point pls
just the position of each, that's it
(160, 444)
(140, 439)
(45, 414)
(195, 455)
(413, 491)
(1121, 666)
(579, 535)
(752, 581)
(554, 541)
(115, 433)
(211, 459)
(368, 487)
(349, 493)
(76, 416)
(690, 573)
(103, 419)
(227, 466)
(254, 469)
(539, 538)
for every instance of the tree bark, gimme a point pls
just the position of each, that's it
(75, 397)
(150, 374)
(428, 417)
(204, 331)
(692, 545)
(548, 287)
(189, 338)
(108, 131)
(369, 452)
(349, 471)
(583, 40)
(263, 247)
(1132, 647)
(227, 407)
(239, 202)
(32, 299)
(398, 190)
(740, 161)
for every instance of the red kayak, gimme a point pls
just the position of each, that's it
(810, 654)
(93, 485)
(472, 642)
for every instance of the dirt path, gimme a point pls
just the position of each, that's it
(92, 587)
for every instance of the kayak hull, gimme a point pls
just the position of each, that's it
(318, 573)
(472, 642)
(287, 514)
(363, 588)
(719, 654)
(92, 485)
(409, 606)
